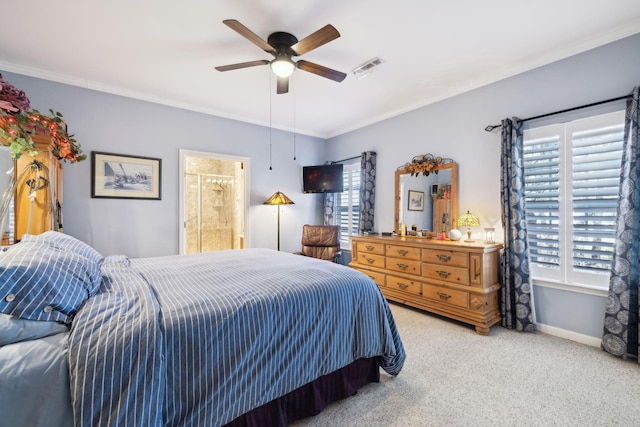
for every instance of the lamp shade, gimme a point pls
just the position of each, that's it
(278, 198)
(468, 220)
(282, 66)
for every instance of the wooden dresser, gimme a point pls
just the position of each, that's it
(454, 279)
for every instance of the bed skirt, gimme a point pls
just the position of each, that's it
(312, 398)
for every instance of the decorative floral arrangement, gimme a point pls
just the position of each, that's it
(424, 164)
(18, 124)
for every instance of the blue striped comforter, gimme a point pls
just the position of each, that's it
(198, 340)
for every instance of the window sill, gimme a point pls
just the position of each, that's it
(577, 288)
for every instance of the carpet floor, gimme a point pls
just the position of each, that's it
(455, 377)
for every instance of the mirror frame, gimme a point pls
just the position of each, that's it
(454, 192)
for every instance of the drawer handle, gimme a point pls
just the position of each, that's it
(402, 285)
(370, 260)
(402, 252)
(402, 266)
(444, 258)
(443, 296)
(370, 248)
(443, 274)
(476, 270)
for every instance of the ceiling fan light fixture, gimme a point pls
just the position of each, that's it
(282, 66)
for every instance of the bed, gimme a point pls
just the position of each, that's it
(244, 337)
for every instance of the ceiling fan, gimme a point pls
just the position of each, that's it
(283, 46)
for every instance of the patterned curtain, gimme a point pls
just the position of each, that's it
(367, 190)
(330, 209)
(620, 336)
(515, 304)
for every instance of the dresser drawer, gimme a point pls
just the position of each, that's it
(449, 296)
(379, 278)
(446, 273)
(403, 252)
(405, 285)
(373, 248)
(445, 257)
(409, 266)
(371, 260)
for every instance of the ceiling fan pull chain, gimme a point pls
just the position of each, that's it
(270, 123)
(294, 120)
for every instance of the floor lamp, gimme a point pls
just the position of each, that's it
(278, 199)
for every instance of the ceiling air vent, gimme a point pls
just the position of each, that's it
(367, 68)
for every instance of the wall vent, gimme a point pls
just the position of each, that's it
(366, 69)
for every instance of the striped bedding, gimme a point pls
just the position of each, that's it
(199, 340)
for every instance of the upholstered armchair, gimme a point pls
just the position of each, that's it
(321, 241)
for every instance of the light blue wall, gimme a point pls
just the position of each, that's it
(139, 228)
(451, 128)
(455, 128)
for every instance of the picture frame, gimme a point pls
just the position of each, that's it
(121, 176)
(416, 200)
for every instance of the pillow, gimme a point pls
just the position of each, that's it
(13, 329)
(66, 242)
(116, 261)
(39, 281)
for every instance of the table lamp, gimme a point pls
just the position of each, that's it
(468, 220)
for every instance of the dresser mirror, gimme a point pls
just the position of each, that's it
(428, 201)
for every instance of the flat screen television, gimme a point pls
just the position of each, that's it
(322, 179)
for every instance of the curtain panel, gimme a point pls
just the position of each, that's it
(367, 190)
(620, 335)
(331, 216)
(366, 196)
(515, 303)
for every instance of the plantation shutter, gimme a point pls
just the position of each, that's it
(348, 202)
(572, 181)
(597, 154)
(542, 192)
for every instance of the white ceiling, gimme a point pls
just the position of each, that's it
(165, 51)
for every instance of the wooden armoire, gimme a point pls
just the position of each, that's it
(38, 191)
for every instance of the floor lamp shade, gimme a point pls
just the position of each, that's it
(278, 198)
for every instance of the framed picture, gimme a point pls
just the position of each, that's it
(416, 200)
(118, 176)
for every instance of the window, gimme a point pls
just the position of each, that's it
(572, 178)
(348, 203)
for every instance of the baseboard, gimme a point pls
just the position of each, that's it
(569, 335)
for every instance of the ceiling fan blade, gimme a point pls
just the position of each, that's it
(320, 70)
(322, 36)
(249, 35)
(242, 65)
(283, 85)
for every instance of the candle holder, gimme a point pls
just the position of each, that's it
(490, 235)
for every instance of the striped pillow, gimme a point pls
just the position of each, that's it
(39, 281)
(66, 242)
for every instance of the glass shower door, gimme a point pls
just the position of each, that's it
(214, 205)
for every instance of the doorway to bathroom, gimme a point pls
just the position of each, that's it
(214, 197)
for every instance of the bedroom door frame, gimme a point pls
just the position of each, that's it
(183, 192)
